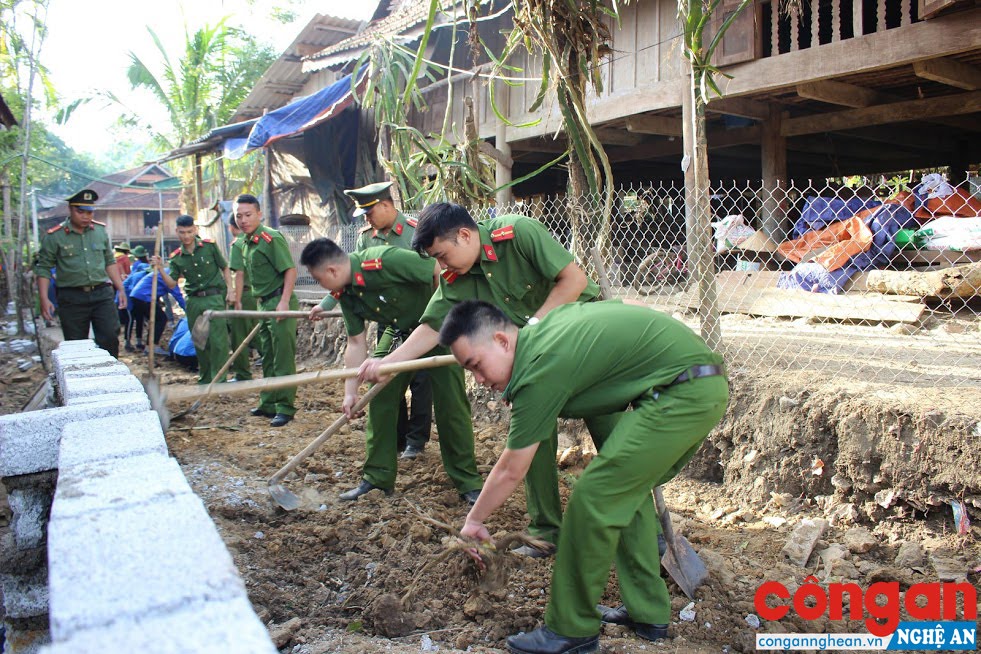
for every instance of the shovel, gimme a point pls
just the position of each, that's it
(680, 560)
(202, 326)
(159, 397)
(279, 493)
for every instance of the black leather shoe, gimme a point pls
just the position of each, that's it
(545, 641)
(619, 615)
(534, 552)
(361, 489)
(470, 497)
(662, 545)
(261, 413)
(411, 452)
(279, 420)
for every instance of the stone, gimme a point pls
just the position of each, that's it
(130, 396)
(30, 507)
(282, 634)
(124, 563)
(787, 403)
(29, 441)
(718, 566)
(24, 639)
(570, 456)
(910, 555)
(111, 438)
(859, 540)
(96, 386)
(197, 628)
(14, 560)
(477, 605)
(803, 539)
(25, 596)
(108, 368)
(830, 557)
(113, 484)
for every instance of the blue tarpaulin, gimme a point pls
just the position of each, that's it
(303, 114)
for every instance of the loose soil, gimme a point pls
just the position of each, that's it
(329, 576)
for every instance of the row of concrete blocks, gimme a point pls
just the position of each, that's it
(135, 563)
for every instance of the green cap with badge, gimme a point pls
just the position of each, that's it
(121, 247)
(368, 196)
(84, 199)
(139, 251)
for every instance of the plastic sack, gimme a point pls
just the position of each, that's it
(731, 232)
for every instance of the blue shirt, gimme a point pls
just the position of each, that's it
(143, 289)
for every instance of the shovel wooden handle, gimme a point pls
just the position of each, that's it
(327, 433)
(245, 313)
(291, 381)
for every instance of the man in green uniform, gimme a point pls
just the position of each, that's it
(389, 226)
(593, 361)
(207, 283)
(514, 263)
(79, 251)
(239, 328)
(393, 286)
(272, 273)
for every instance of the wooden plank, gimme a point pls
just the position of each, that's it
(840, 93)
(739, 293)
(950, 72)
(662, 125)
(894, 112)
(720, 138)
(742, 107)
(945, 257)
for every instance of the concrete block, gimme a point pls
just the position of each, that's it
(25, 638)
(74, 346)
(29, 441)
(111, 438)
(157, 557)
(79, 358)
(25, 596)
(112, 484)
(109, 397)
(94, 386)
(19, 561)
(108, 369)
(30, 508)
(229, 626)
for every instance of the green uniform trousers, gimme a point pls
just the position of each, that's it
(78, 310)
(452, 410)
(278, 357)
(542, 491)
(215, 353)
(610, 516)
(238, 329)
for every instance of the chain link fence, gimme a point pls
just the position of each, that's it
(871, 282)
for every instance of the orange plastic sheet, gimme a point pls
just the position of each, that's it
(961, 204)
(844, 239)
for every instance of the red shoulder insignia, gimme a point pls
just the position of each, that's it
(99, 223)
(266, 237)
(503, 234)
(371, 264)
(359, 279)
(448, 277)
(489, 253)
(54, 229)
(336, 294)
(175, 253)
(412, 222)
(255, 239)
(398, 229)
(208, 240)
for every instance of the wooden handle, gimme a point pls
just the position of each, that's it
(290, 381)
(327, 433)
(244, 313)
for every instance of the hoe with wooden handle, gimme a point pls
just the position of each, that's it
(159, 397)
(280, 494)
(202, 326)
(680, 560)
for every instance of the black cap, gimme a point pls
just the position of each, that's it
(368, 196)
(84, 199)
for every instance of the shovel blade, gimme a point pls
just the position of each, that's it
(283, 497)
(157, 401)
(684, 565)
(200, 331)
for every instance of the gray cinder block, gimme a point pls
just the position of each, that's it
(111, 438)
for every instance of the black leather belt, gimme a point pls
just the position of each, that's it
(206, 292)
(84, 289)
(695, 372)
(276, 293)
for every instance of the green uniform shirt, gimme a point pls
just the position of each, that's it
(585, 360)
(519, 261)
(80, 259)
(400, 236)
(389, 285)
(267, 257)
(236, 262)
(201, 268)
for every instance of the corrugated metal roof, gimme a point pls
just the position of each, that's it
(285, 77)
